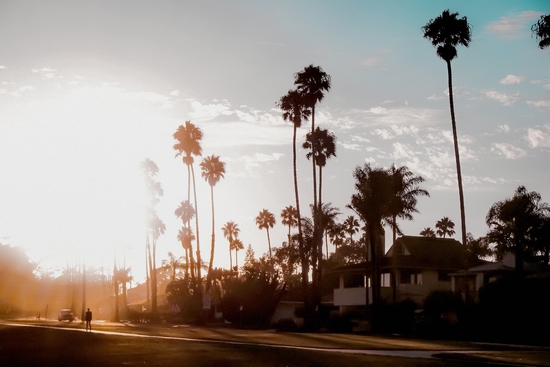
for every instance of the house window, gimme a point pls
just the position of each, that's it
(443, 276)
(354, 280)
(385, 280)
(411, 277)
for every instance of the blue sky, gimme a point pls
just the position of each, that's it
(90, 89)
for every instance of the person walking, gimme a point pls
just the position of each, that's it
(88, 320)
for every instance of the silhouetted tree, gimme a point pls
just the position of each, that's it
(266, 220)
(230, 231)
(212, 170)
(237, 245)
(427, 232)
(478, 247)
(186, 212)
(289, 217)
(541, 30)
(446, 32)
(445, 227)
(172, 265)
(351, 227)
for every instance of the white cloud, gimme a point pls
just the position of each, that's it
(512, 79)
(539, 137)
(375, 61)
(511, 26)
(207, 112)
(546, 86)
(45, 72)
(252, 162)
(543, 105)
(457, 92)
(359, 138)
(350, 146)
(508, 150)
(27, 88)
(505, 99)
(3, 67)
(504, 128)
(175, 93)
(434, 97)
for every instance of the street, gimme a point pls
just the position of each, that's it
(48, 343)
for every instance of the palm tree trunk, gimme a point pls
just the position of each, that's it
(230, 254)
(213, 240)
(303, 260)
(457, 156)
(197, 229)
(268, 240)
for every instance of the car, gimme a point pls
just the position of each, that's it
(65, 315)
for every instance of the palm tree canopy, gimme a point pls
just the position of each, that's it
(185, 236)
(149, 167)
(351, 225)
(188, 138)
(541, 30)
(265, 219)
(427, 232)
(294, 108)
(289, 216)
(237, 244)
(445, 227)
(312, 83)
(446, 32)
(322, 146)
(373, 194)
(230, 230)
(185, 211)
(212, 169)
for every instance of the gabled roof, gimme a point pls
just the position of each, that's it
(426, 252)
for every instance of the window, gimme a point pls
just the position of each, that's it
(443, 276)
(411, 277)
(354, 280)
(385, 280)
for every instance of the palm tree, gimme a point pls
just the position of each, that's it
(445, 227)
(328, 215)
(541, 30)
(446, 32)
(371, 203)
(427, 232)
(405, 188)
(230, 231)
(520, 224)
(172, 265)
(266, 220)
(188, 138)
(237, 245)
(351, 227)
(290, 218)
(157, 228)
(212, 170)
(186, 212)
(295, 110)
(336, 234)
(185, 236)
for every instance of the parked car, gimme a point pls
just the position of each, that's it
(65, 315)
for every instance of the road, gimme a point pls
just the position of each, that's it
(50, 343)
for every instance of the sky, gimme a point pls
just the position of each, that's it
(90, 89)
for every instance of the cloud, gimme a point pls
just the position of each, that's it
(350, 146)
(375, 61)
(3, 67)
(45, 72)
(511, 26)
(434, 97)
(508, 150)
(543, 105)
(175, 93)
(512, 79)
(255, 161)
(395, 130)
(207, 112)
(539, 138)
(504, 128)
(505, 99)
(546, 86)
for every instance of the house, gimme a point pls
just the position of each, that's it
(413, 267)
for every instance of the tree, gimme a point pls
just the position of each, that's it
(289, 217)
(351, 227)
(371, 204)
(186, 212)
(122, 276)
(427, 232)
(212, 170)
(405, 189)
(237, 245)
(172, 265)
(541, 30)
(520, 224)
(157, 228)
(266, 220)
(478, 247)
(445, 227)
(188, 138)
(328, 215)
(446, 32)
(295, 110)
(230, 231)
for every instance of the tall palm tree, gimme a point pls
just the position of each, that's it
(446, 32)
(230, 231)
(289, 217)
(188, 138)
(405, 188)
(157, 228)
(123, 277)
(336, 234)
(295, 110)
(541, 30)
(237, 245)
(186, 212)
(328, 220)
(427, 232)
(172, 265)
(186, 236)
(370, 202)
(212, 170)
(266, 220)
(445, 227)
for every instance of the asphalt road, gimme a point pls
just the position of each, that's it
(49, 343)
